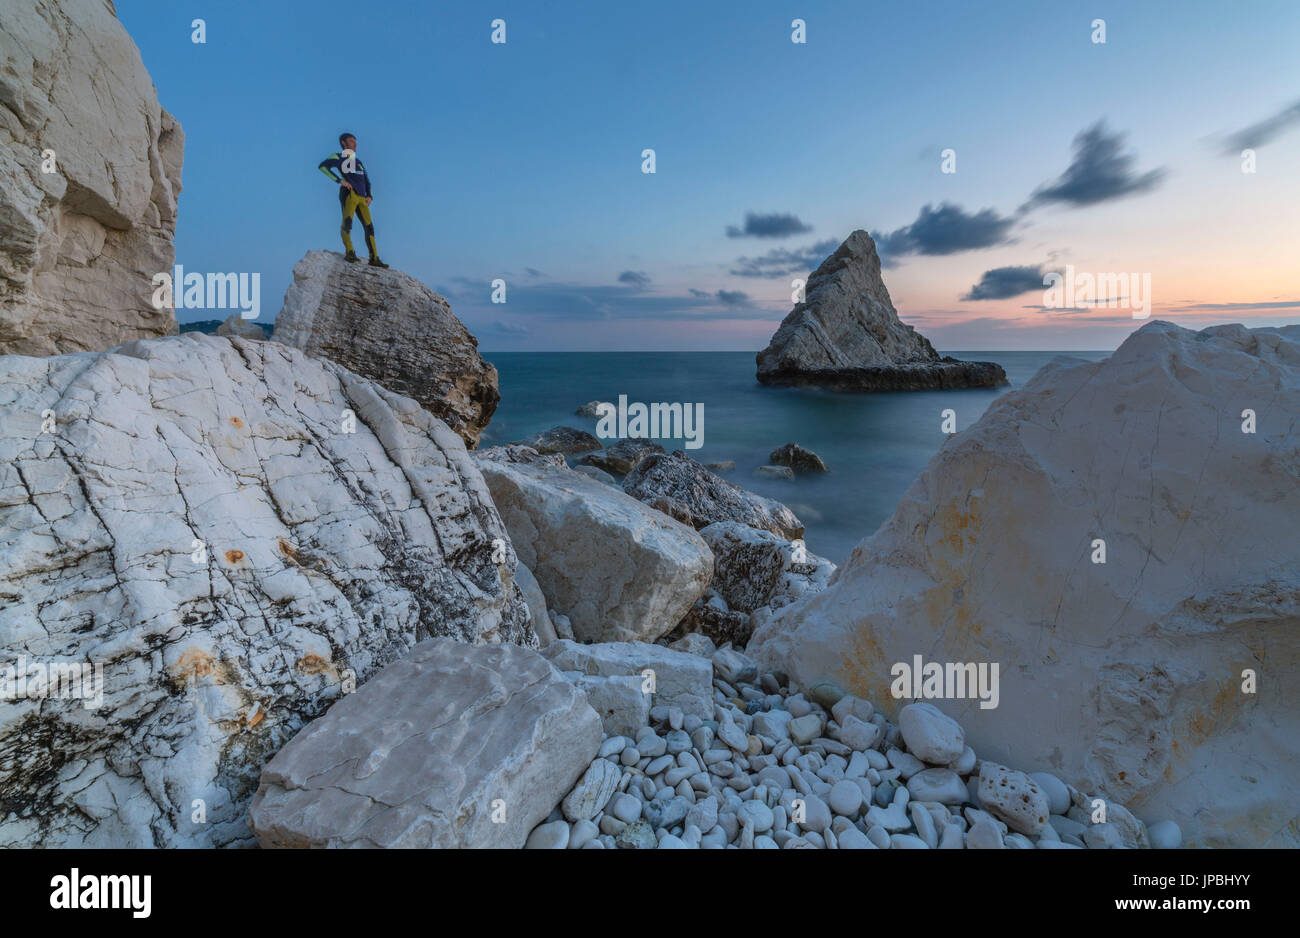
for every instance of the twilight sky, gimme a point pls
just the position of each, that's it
(522, 160)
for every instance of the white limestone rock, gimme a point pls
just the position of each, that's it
(423, 754)
(931, 735)
(592, 791)
(1124, 677)
(79, 246)
(1013, 798)
(236, 326)
(681, 680)
(623, 707)
(391, 328)
(234, 531)
(616, 568)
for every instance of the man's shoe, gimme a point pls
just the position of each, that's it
(351, 256)
(376, 262)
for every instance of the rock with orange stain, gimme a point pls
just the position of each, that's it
(1160, 677)
(238, 534)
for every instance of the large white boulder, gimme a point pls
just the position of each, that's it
(235, 532)
(618, 569)
(90, 172)
(453, 746)
(391, 328)
(1131, 677)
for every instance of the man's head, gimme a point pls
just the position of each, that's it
(348, 142)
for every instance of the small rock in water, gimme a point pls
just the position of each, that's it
(797, 458)
(775, 472)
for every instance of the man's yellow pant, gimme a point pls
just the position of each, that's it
(354, 204)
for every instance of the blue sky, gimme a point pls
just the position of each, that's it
(523, 161)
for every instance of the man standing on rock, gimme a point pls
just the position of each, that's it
(354, 195)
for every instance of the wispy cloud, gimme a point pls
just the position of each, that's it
(1265, 131)
(635, 278)
(775, 225)
(1099, 172)
(1001, 283)
(1235, 307)
(784, 262)
(947, 229)
(528, 304)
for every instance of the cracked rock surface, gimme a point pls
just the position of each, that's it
(617, 569)
(1124, 676)
(233, 530)
(430, 753)
(391, 328)
(680, 487)
(79, 246)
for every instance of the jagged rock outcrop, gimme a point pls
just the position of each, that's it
(683, 489)
(454, 746)
(389, 327)
(90, 171)
(797, 458)
(1130, 676)
(234, 532)
(236, 326)
(615, 568)
(847, 335)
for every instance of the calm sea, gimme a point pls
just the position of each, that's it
(874, 444)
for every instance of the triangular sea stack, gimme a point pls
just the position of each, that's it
(846, 334)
